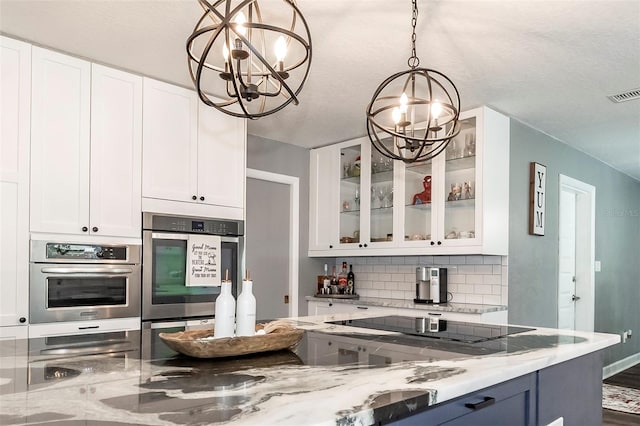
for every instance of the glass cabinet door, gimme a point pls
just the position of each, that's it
(417, 200)
(381, 201)
(460, 184)
(350, 194)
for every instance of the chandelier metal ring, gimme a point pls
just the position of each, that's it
(231, 60)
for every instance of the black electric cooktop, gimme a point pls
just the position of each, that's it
(465, 332)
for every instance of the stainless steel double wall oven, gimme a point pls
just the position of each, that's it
(165, 293)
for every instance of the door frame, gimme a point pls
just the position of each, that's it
(585, 248)
(294, 228)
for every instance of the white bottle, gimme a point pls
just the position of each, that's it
(246, 316)
(224, 323)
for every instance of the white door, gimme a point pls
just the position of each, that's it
(61, 88)
(116, 149)
(567, 260)
(170, 142)
(268, 246)
(273, 251)
(576, 256)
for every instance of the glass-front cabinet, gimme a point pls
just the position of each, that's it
(455, 203)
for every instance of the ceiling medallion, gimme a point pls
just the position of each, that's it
(254, 59)
(414, 114)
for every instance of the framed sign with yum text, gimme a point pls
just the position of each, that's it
(537, 202)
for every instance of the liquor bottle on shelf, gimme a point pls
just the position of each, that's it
(225, 315)
(334, 281)
(351, 281)
(342, 279)
(326, 281)
(246, 316)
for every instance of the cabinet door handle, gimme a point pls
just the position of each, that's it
(94, 229)
(85, 229)
(433, 243)
(366, 245)
(201, 198)
(89, 327)
(439, 242)
(22, 320)
(434, 314)
(360, 245)
(330, 246)
(487, 401)
(362, 307)
(193, 197)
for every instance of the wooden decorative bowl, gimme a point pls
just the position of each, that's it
(200, 344)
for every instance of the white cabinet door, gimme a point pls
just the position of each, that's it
(323, 201)
(60, 143)
(221, 158)
(15, 78)
(116, 149)
(170, 142)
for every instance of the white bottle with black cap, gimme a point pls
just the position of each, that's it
(246, 315)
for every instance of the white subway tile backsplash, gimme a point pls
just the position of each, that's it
(475, 279)
(484, 269)
(482, 289)
(492, 260)
(492, 279)
(472, 279)
(474, 260)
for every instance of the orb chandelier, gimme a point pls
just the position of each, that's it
(253, 59)
(414, 113)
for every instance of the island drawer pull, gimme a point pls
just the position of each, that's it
(480, 405)
(362, 307)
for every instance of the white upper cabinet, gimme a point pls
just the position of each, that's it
(60, 132)
(116, 150)
(362, 203)
(221, 157)
(193, 155)
(170, 142)
(86, 147)
(15, 78)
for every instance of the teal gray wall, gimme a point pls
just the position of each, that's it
(277, 157)
(533, 260)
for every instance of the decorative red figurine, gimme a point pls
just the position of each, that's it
(424, 197)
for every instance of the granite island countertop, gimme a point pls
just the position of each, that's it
(336, 375)
(463, 308)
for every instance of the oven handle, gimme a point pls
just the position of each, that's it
(165, 236)
(88, 270)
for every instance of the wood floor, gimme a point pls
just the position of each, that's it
(629, 378)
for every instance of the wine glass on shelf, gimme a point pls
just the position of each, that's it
(381, 193)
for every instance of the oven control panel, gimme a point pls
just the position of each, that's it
(85, 251)
(197, 225)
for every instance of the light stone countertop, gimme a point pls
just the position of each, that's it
(465, 308)
(312, 385)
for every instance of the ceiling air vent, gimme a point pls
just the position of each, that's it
(629, 95)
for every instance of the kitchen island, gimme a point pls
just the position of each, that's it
(339, 373)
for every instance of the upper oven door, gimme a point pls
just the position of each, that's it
(73, 292)
(164, 291)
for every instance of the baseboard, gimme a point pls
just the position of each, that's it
(618, 366)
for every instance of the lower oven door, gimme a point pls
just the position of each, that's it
(73, 292)
(165, 294)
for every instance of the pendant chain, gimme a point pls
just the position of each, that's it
(413, 61)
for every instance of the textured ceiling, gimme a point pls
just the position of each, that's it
(549, 64)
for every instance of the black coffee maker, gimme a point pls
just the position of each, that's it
(431, 285)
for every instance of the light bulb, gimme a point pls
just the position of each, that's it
(436, 109)
(404, 100)
(396, 114)
(240, 20)
(225, 52)
(281, 49)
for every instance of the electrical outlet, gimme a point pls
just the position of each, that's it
(629, 334)
(625, 336)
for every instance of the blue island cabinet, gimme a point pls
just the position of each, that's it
(570, 391)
